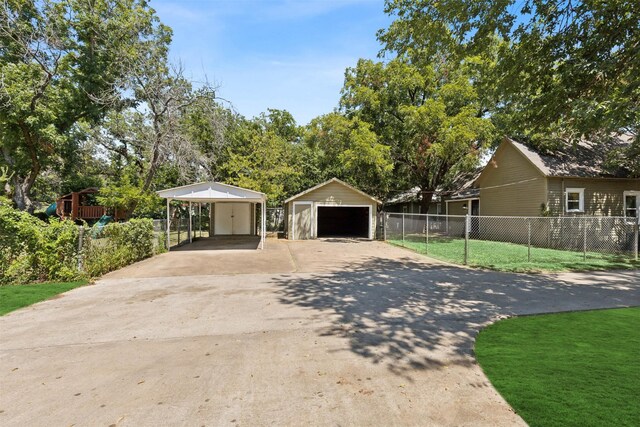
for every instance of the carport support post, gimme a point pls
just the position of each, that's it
(200, 218)
(190, 226)
(403, 228)
(263, 222)
(168, 225)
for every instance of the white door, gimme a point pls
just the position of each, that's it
(223, 219)
(232, 218)
(241, 218)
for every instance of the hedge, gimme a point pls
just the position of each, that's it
(118, 245)
(32, 250)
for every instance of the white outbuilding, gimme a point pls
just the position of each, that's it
(233, 210)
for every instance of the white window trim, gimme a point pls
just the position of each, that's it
(624, 202)
(580, 199)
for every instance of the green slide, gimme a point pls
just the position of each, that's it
(98, 226)
(51, 210)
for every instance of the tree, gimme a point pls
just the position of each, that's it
(168, 124)
(349, 150)
(262, 155)
(432, 118)
(565, 69)
(61, 64)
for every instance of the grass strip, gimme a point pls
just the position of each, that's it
(578, 368)
(13, 297)
(513, 257)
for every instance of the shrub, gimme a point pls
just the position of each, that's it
(34, 250)
(118, 245)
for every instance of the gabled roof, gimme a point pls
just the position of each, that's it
(407, 196)
(87, 190)
(585, 159)
(462, 186)
(336, 180)
(211, 192)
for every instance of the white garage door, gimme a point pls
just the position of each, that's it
(232, 218)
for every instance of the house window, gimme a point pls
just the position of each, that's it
(575, 199)
(631, 204)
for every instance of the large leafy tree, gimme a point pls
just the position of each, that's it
(565, 69)
(62, 64)
(430, 116)
(263, 154)
(348, 148)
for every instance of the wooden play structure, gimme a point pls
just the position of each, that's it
(81, 205)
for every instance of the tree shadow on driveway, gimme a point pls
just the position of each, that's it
(412, 316)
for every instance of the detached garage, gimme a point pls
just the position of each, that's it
(331, 209)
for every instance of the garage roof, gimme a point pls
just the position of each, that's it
(329, 182)
(210, 192)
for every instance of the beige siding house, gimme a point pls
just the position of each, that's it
(519, 181)
(331, 209)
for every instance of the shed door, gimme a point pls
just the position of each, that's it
(301, 221)
(241, 218)
(232, 218)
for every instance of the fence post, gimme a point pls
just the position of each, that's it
(403, 228)
(385, 218)
(427, 235)
(528, 239)
(80, 247)
(584, 239)
(636, 240)
(467, 220)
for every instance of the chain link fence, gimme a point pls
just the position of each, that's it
(180, 227)
(275, 220)
(518, 243)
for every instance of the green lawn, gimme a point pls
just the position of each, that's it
(13, 297)
(567, 369)
(512, 257)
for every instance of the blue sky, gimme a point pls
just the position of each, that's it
(286, 54)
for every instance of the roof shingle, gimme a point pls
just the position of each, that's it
(585, 159)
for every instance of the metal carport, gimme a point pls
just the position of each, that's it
(213, 193)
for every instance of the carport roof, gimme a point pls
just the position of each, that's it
(209, 192)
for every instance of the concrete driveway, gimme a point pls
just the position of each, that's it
(318, 332)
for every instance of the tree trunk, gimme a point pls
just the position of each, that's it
(22, 194)
(425, 200)
(22, 184)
